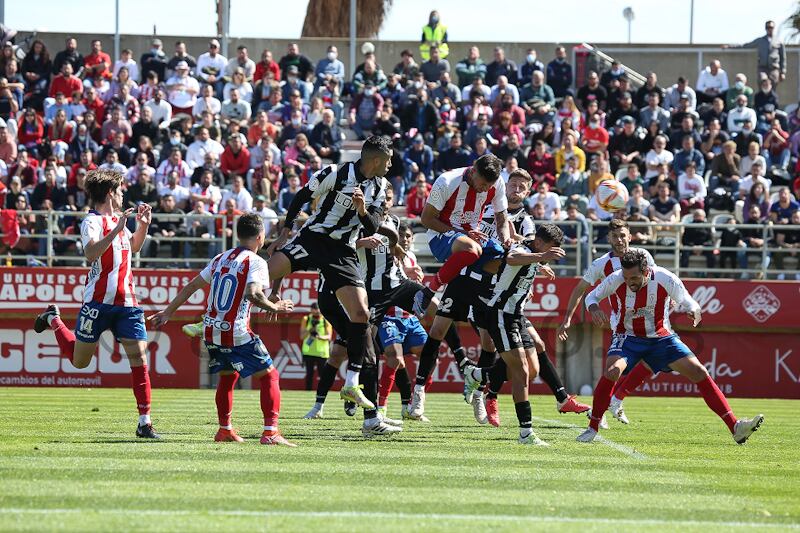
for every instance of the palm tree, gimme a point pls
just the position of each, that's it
(331, 18)
(793, 22)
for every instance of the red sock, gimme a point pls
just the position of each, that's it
(224, 398)
(271, 398)
(600, 401)
(386, 384)
(453, 266)
(140, 381)
(717, 402)
(628, 384)
(64, 336)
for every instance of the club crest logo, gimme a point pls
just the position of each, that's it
(761, 304)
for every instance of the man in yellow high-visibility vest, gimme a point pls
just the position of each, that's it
(316, 334)
(434, 33)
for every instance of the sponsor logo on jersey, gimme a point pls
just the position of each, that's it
(222, 325)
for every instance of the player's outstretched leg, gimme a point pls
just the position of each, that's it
(565, 403)
(615, 366)
(271, 407)
(224, 400)
(354, 301)
(51, 318)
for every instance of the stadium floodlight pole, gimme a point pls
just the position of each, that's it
(353, 21)
(226, 25)
(116, 30)
(691, 22)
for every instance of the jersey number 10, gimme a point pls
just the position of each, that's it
(223, 288)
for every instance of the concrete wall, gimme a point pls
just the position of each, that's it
(668, 61)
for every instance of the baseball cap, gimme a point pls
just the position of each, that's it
(627, 119)
(156, 42)
(261, 198)
(418, 139)
(213, 42)
(182, 64)
(2, 123)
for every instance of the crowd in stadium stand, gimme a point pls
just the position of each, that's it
(205, 134)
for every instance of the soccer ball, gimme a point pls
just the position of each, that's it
(611, 195)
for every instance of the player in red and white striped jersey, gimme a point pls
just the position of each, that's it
(238, 278)
(643, 293)
(619, 237)
(109, 302)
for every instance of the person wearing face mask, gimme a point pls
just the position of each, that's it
(364, 109)
(154, 60)
(530, 64)
(612, 75)
(740, 113)
(595, 137)
(329, 67)
(434, 33)
(559, 74)
(739, 88)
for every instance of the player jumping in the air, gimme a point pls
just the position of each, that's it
(619, 237)
(507, 324)
(109, 302)
(238, 278)
(644, 333)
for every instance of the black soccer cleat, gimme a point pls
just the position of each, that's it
(350, 408)
(146, 431)
(42, 322)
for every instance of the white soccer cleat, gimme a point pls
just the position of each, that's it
(417, 403)
(313, 414)
(390, 421)
(616, 410)
(603, 421)
(408, 416)
(479, 408)
(471, 383)
(745, 427)
(532, 440)
(375, 427)
(586, 436)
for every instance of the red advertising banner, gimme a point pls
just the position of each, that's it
(745, 365)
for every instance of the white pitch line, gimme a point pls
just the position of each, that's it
(627, 450)
(405, 516)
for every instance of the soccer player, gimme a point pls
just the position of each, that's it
(506, 322)
(109, 300)
(643, 293)
(619, 237)
(238, 278)
(453, 215)
(347, 197)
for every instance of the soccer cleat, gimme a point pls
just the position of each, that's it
(615, 407)
(586, 436)
(408, 416)
(532, 439)
(375, 427)
(492, 414)
(350, 408)
(603, 421)
(227, 435)
(193, 330)
(422, 299)
(417, 403)
(745, 427)
(274, 438)
(146, 431)
(313, 414)
(381, 410)
(354, 394)
(390, 421)
(571, 405)
(479, 408)
(471, 384)
(42, 321)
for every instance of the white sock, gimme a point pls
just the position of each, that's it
(351, 379)
(318, 406)
(144, 420)
(614, 398)
(228, 427)
(524, 432)
(50, 319)
(270, 428)
(419, 388)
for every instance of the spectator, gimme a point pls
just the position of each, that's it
(503, 92)
(595, 138)
(180, 55)
(780, 212)
(329, 68)
(621, 105)
(418, 158)
(370, 74)
(235, 160)
(182, 89)
(686, 130)
(771, 54)
(98, 63)
(456, 156)
(407, 68)
(739, 114)
(111, 162)
(160, 109)
(641, 98)
(570, 149)
(267, 67)
(115, 123)
(506, 128)
(35, 69)
(241, 62)
(711, 83)
(287, 194)
(470, 67)
(712, 140)
(592, 92)
(84, 162)
(745, 138)
(654, 112)
(203, 144)
(691, 189)
(541, 165)
(299, 154)
(739, 88)
(168, 223)
(225, 226)
(765, 96)
(293, 58)
(657, 159)
(141, 164)
(235, 109)
(753, 238)
(501, 66)
(269, 216)
(688, 154)
(510, 148)
(434, 35)
(70, 55)
(49, 190)
(716, 112)
(637, 200)
(239, 82)
(725, 171)
(154, 60)
(433, 68)
(536, 93)
(206, 191)
(626, 146)
(124, 155)
(598, 171)
(697, 241)
(211, 67)
(529, 65)
(788, 242)
(326, 137)
(174, 163)
(294, 85)
(550, 201)
(141, 191)
(420, 115)
(559, 73)
(753, 157)
(758, 195)
(66, 82)
(674, 94)
(364, 109)
(664, 207)
(418, 197)
(776, 146)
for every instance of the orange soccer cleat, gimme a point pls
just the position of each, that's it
(491, 412)
(227, 435)
(571, 405)
(275, 438)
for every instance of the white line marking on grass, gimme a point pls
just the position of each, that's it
(627, 450)
(405, 516)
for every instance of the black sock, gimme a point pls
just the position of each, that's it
(454, 343)
(497, 376)
(486, 360)
(524, 414)
(369, 380)
(549, 375)
(357, 339)
(403, 384)
(326, 378)
(427, 359)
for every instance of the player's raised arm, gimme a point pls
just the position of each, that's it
(518, 256)
(143, 218)
(574, 301)
(162, 317)
(677, 291)
(500, 206)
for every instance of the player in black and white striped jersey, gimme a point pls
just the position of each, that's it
(507, 324)
(348, 197)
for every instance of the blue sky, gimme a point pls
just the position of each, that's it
(716, 21)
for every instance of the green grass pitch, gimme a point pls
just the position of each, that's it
(68, 462)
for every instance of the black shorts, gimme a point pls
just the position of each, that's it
(401, 296)
(508, 331)
(335, 260)
(334, 313)
(459, 298)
